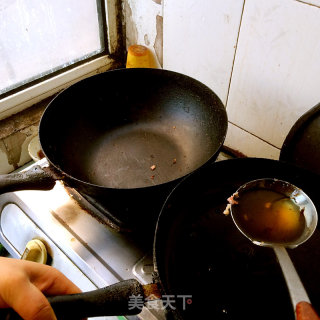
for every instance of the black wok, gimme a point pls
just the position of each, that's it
(126, 131)
(301, 145)
(199, 251)
(200, 254)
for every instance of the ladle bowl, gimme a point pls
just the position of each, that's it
(300, 199)
(286, 190)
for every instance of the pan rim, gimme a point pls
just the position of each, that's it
(176, 196)
(222, 135)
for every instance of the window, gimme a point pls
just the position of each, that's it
(46, 45)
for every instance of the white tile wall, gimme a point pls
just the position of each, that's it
(199, 39)
(276, 71)
(249, 145)
(276, 75)
(312, 2)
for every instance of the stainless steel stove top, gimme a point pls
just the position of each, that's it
(88, 252)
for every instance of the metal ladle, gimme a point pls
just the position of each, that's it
(298, 294)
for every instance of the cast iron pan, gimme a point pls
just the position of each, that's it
(199, 251)
(107, 131)
(302, 144)
(127, 134)
(201, 255)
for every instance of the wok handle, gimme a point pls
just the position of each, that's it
(120, 299)
(36, 178)
(115, 300)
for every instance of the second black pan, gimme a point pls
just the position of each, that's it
(207, 268)
(302, 143)
(199, 251)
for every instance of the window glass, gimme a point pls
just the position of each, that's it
(38, 37)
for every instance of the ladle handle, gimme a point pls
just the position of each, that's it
(296, 289)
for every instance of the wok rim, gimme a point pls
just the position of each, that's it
(161, 229)
(222, 130)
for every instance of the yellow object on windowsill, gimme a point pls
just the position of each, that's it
(139, 57)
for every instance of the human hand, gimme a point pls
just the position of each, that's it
(24, 284)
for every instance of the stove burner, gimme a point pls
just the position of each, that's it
(131, 213)
(96, 209)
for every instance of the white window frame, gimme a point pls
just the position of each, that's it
(25, 98)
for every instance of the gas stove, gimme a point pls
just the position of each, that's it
(81, 241)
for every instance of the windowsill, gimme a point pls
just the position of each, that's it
(22, 120)
(17, 130)
(26, 98)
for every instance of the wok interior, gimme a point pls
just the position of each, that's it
(110, 130)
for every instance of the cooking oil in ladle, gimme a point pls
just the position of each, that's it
(273, 212)
(269, 216)
(277, 214)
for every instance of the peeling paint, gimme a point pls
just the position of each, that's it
(131, 29)
(15, 134)
(22, 120)
(5, 167)
(3, 148)
(158, 42)
(13, 148)
(146, 40)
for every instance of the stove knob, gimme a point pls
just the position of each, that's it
(35, 251)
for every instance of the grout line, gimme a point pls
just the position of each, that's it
(310, 4)
(235, 52)
(272, 145)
